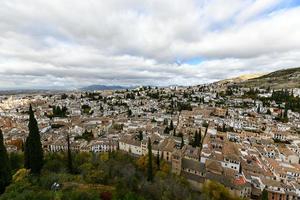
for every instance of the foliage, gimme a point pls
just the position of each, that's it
(20, 175)
(59, 112)
(264, 195)
(33, 147)
(86, 135)
(86, 109)
(5, 169)
(118, 176)
(150, 164)
(16, 161)
(215, 191)
(197, 139)
(184, 106)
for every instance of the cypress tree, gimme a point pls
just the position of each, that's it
(70, 163)
(158, 160)
(285, 114)
(5, 169)
(195, 139)
(199, 137)
(33, 154)
(140, 135)
(264, 195)
(150, 169)
(182, 142)
(171, 125)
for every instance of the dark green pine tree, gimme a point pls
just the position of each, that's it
(195, 139)
(171, 125)
(70, 161)
(150, 168)
(140, 135)
(182, 142)
(264, 195)
(199, 138)
(5, 170)
(33, 154)
(224, 127)
(158, 161)
(285, 114)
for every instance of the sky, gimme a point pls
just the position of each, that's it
(68, 44)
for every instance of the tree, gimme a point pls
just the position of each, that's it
(158, 160)
(285, 114)
(171, 125)
(195, 139)
(216, 191)
(264, 195)
(167, 130)
(140, 135)
(166, 122)
(150, 168)
(199, 137)
(174, 132)
(182, 142)
(70, 163)
(33, 154)
(5, 170)
(129, 113)
(224, 127)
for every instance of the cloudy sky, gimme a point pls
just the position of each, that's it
(74, 43)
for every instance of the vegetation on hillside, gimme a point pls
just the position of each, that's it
(286, 78)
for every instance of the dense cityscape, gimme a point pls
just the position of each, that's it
(246, 139)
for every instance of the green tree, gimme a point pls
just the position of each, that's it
(158, 160)
(182, 142)
(197, 139)
(285, 114)
(70, 162)
(5, 170)
(150, 167)
(140, 135)
(33, 154)
(129, 113)
(171, 125)
(264, 195)
(166, 122)
(216, 191)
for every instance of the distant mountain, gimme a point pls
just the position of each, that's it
(104, 87)
(285, 78)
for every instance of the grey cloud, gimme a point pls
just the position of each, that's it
(72, 43)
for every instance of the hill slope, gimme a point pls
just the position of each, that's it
(286, 78)
(239, 79)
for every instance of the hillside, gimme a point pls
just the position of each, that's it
(286, 78)
(239, 79)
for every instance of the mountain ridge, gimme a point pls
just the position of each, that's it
(105, 87)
